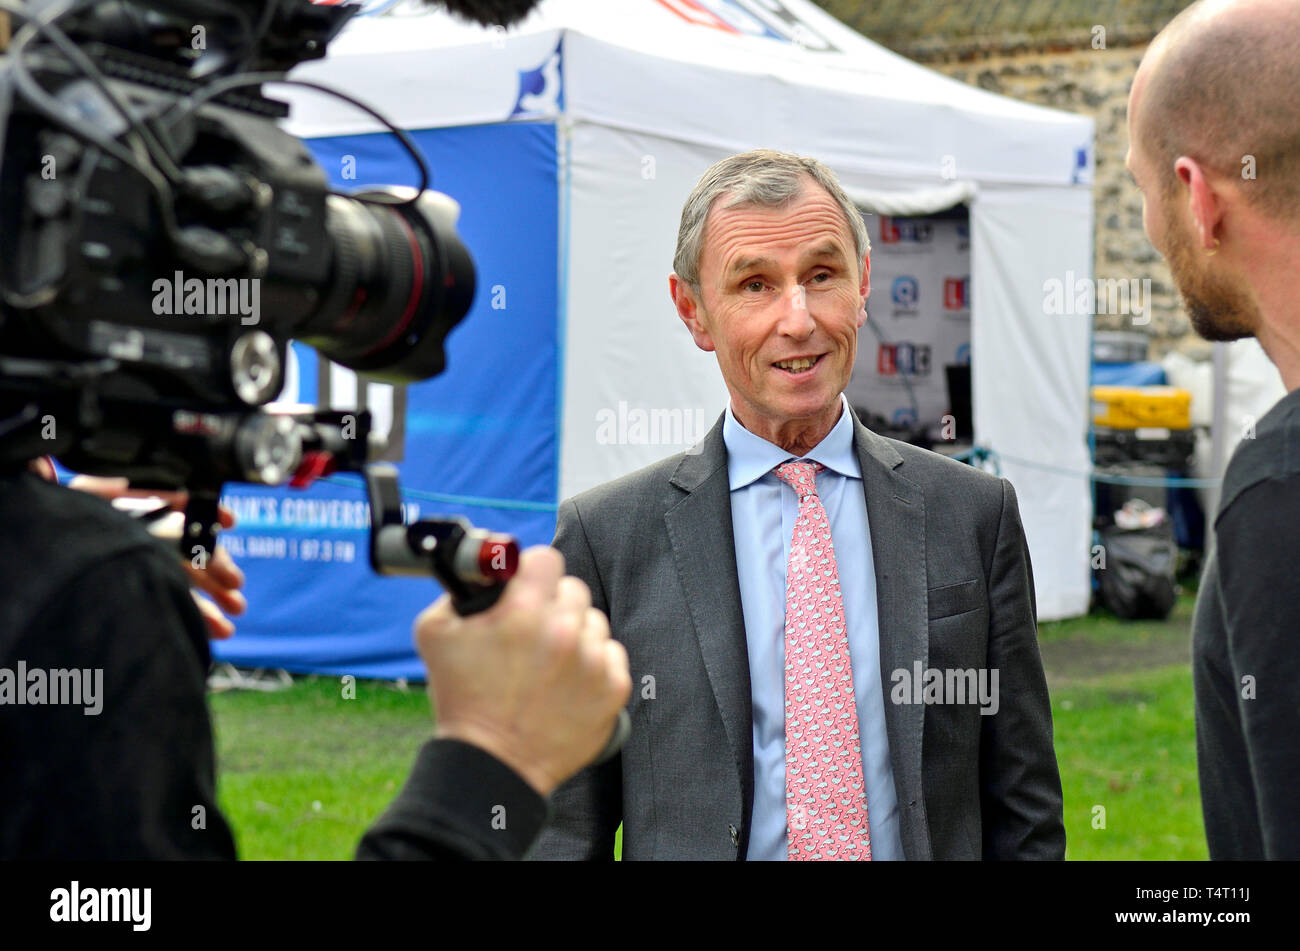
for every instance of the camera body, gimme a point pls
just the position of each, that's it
(162, 239)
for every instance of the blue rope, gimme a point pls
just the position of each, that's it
(983, 453)
(518, 505)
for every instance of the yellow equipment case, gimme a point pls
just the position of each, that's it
(1141, 407)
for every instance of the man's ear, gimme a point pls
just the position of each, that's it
(864, 289)
(1204, 201)
(690, 310)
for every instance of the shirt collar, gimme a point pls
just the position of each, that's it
(750, 457)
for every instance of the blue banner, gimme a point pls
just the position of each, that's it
(481, 438)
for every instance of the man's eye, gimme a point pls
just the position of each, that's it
(754, 286)
(822, 276)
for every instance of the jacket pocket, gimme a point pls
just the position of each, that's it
(951, 599)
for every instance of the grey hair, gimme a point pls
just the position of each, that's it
(760, 177)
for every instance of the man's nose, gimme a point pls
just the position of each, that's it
(796, 321)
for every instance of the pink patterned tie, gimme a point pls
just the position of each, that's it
(825, 797)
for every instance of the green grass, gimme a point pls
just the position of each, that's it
(1103, 627)
(1125, 744)
(1125, 734)
(303, 772)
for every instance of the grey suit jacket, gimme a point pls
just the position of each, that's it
(955, 590)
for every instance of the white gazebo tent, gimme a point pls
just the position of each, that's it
(644, 95)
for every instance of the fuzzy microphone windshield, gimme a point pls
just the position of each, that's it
(487, 12)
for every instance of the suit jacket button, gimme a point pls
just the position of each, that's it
(735, 835)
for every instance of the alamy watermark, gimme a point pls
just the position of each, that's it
(36, 686)
(78, 904)
(1080, 295)
(178, 296)
(952, 685)
(660, 426)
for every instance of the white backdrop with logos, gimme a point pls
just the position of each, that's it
(920, 307)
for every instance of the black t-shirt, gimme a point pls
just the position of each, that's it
(1246, 650)
(96, 613)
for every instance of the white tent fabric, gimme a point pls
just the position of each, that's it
(921, 201)
(1253, 385)
(646, 94)
(1029, 387)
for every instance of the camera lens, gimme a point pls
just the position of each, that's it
(400, 280)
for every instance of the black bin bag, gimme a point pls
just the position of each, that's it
(1138, 578)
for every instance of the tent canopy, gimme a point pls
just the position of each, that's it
(571, 142)
(723, 72)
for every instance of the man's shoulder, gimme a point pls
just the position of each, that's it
(938, 473)
(649, 486)
(52, 535)
(1271, 451)
(45, 508)
(655, 488)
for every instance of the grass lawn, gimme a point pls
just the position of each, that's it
(1126, 747)
(1125, 735)
(303, 771)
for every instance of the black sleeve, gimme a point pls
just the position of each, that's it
(458, 803)
(134, 778)
(1258, 551)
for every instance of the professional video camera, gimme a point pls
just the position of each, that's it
(162, 240)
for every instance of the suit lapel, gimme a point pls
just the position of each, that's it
(896, 517)
(700, 532)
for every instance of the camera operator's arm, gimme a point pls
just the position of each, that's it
(526, 695)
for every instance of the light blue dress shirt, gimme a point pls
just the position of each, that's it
(763, 513)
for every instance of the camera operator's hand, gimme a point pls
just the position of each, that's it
(536, 680)
(220, 577)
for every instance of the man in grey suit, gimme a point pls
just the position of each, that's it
(949, 732)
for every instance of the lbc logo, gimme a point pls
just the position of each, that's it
(905, 230)
(956, 293)
(909, 359)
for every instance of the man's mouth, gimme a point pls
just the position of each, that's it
(799, 365)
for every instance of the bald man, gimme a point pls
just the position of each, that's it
(1215, 150)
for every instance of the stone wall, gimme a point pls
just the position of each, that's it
(1072, 56)
(1096, 83)
(939, 29)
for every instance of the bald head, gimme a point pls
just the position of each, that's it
(1220, 83)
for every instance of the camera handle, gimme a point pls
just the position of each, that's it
(202, 523)
(472, 564)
